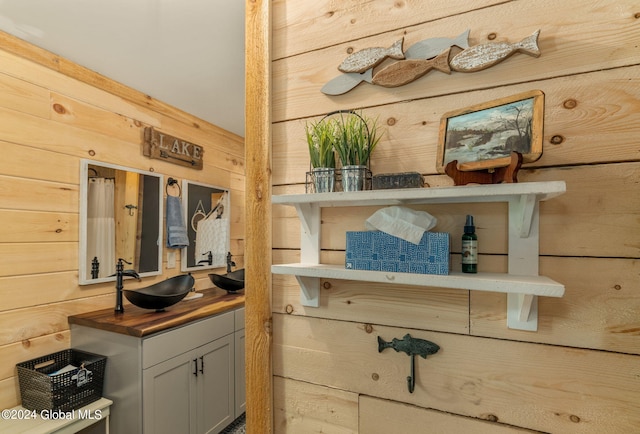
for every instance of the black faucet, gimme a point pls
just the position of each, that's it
(208, 261)
(120, 274)
(230, 263)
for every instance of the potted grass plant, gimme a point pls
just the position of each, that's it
(357, 137)
(321, 138)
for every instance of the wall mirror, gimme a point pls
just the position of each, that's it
(206, 212)
(120, 217)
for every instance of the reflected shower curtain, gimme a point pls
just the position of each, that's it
(101, 226)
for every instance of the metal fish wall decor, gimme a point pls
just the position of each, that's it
(409, 345)
(428, 48)
(412, 347)
(422, 57)
(345, 82)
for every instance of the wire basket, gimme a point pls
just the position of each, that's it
(42, 389)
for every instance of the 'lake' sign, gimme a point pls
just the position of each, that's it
(171, 149)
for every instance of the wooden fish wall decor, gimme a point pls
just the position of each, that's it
(422, 57)
(483, 56)
(370, 57)
(406, 71)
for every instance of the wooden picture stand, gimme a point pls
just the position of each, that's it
(499, 175)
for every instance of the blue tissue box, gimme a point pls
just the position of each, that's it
(379, 251)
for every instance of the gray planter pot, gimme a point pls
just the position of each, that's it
(354, 178)
(323, 179)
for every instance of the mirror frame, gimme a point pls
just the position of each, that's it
(84, 177)
(189, 214)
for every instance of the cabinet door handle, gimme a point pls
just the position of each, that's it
(195, 367)
(202, 364)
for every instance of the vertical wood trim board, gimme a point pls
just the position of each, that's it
(258, 227)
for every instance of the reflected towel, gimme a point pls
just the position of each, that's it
(176, 230)
(213, 236)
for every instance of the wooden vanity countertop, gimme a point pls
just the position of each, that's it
(139, 322)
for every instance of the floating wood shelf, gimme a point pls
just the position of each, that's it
(522, 283)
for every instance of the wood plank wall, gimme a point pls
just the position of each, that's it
(54, 113)
(580, 372)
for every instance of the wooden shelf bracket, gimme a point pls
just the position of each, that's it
(309, 215)
(522, 312)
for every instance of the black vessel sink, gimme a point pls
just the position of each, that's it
(162, 294)
(230, 282)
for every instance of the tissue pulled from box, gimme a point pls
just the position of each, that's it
(405, 223)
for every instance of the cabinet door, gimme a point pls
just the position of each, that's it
(169, 390)
(215, 385)
(241, 397)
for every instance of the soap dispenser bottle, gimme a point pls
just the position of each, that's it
(469, 247)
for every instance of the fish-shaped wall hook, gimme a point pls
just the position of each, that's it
(483, 56)
(413, 347)
(367, 58)
(405, 71)
(410, 345)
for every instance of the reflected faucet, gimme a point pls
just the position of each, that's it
(208, 261)
(120, 274)
(95, 268)
(230, 263)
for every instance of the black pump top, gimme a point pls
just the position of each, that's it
(469, 227)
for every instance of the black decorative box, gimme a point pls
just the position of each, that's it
(397, 180)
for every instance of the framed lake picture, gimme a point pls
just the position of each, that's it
(484, 135)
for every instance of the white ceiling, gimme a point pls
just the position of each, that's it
(187, 53)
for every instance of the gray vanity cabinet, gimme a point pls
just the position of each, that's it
(180, 380)
(191, 393)
(240, 393)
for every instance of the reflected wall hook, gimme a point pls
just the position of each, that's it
(131, 208)
(412, 347)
